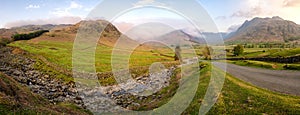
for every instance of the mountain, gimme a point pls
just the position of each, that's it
(67, 33)
(187, 36)
(180, 37)
(259, 30)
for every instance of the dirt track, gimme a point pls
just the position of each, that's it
(283, 81)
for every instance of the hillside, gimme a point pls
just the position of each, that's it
(273, 29)
(30, 28)
(108, 37)
(6, 34)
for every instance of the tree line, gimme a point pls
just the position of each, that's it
(28, 36)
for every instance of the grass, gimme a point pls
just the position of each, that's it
(60, 53)
(268, 52)
(258, 64)
(286, 52)
(55, 58)
(266, 65)
(51, 71)
(238, 97)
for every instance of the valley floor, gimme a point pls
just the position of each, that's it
(236, 97)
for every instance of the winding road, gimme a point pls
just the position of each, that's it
(283, 81)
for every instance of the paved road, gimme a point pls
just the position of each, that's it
(283, 81)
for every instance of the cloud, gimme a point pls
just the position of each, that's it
(74, 5)
(233, 28)
(144, 2)
(147, 2)
(255, 11)
(61, 12)
(258, 8)
(268, 8)
(248, 9)
(88, 9)
(221, 18)
(123, 26)
(291, 3)
(31, 6)
(60, 20)
(66, 11)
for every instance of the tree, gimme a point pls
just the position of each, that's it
(207, 52)
(29, 35)
(177, 53)
(238, 50)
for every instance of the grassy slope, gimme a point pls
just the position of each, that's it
(238, 97)
(60, 53)
(57, 55)
(17, 99)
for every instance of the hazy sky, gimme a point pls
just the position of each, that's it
(227, 14)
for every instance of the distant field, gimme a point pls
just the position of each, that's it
(268, 52)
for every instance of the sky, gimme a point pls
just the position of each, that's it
(228, 15)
